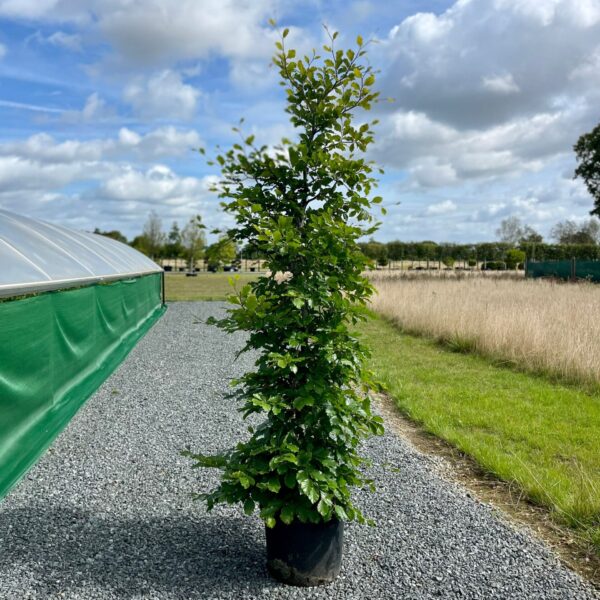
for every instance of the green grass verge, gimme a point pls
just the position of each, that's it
(521, 427)
(205, 286)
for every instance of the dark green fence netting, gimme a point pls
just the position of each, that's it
(588, 269)
(55, 351)
(561, 269)
(565, 269)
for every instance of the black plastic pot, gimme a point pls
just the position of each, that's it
(305, 554)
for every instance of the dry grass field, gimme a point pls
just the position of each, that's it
(538, 326)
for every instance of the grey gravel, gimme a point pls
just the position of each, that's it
(107, 512)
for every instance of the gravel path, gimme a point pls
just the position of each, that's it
(107, 512)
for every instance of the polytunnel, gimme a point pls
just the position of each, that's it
(72, 306)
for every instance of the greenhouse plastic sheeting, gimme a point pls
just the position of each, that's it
(56, 349)
(38, 256)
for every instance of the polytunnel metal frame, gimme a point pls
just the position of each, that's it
(72, 306)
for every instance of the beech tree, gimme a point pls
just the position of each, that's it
(304, 205)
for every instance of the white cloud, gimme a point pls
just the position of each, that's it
(116, 193)
(39, 9)
(95, 109)
(42, 148)
(501, 84)
(18, 173)
(428, 173)
(441, 208)
(253, 74)
(162, 142)
(61, 39)
(583, 12)
(415, 142)
(31, 107)
(414, 126)
(34, 173)
(128, 196)
(162, 32)
(422, 28)
(162, 96)
(465, 66)
(65, 40)
(159, 184)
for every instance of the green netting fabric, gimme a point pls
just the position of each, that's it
(55, 351)
(560, 269)
(588, 269)
(565, 269)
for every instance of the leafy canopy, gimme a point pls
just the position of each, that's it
(587, 151)
(303, 206)
(192, 239)
(221, 252)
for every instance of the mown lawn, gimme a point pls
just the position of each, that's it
(205, 286)
(543, 436)
(523, 428)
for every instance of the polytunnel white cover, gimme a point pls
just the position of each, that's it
(37, 256)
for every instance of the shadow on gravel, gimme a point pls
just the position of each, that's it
(62, 550)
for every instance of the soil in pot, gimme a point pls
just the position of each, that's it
(305, 554)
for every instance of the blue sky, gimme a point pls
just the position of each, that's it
(102, 103)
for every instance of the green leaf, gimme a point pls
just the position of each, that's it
(285, 32)
(359, 40)
(310, 490)
(270, 522)
(273, 485)
(340, 513)
(251, 302)
(302, 401)
(246, 481)
(287, 514)
(323, 508)
(249, 506)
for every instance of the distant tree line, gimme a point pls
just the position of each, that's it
(448, 254)
(188, 243)
(516, 242)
